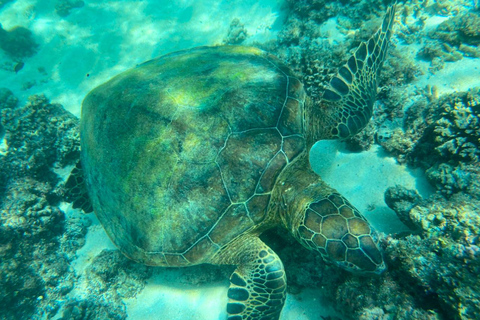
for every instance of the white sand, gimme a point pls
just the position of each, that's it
(163, 298)
(363, 179)
(455, 77)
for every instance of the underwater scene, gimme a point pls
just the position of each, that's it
(255, 160)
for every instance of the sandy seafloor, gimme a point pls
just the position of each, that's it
(97, 41)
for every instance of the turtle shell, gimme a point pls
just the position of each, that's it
(181, 153)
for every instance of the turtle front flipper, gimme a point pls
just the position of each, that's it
(347, 102)
(76, 191)
(258, 285)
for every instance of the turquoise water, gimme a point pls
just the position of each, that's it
(413, 172)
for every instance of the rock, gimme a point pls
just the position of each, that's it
(63, 7)
(7, 99)
(37, 244)
(18, 42)
(402, 200)
(237, 33)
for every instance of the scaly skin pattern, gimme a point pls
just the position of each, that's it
(323, 220)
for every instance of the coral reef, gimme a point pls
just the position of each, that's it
(457, 131)
(402, 200)
(454, 38)
(7, 99)
(445, 135)
(237, 33)
(18, 42)
(442, 263)
(450, 41)
(37, 241)
(460, 29)
(92, 309)
(442, 136)
(110, 277)
(39, 136)
(63, 7)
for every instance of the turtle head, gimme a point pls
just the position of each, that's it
(323, 220)
(337, 230)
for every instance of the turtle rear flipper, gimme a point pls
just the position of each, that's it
(347, 103)
(76, 191)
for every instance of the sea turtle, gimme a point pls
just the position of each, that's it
(189, 157)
